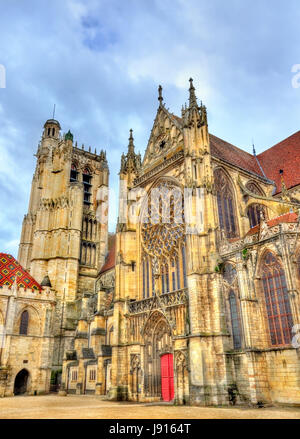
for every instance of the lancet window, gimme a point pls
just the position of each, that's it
(226, 204)
(277, 301)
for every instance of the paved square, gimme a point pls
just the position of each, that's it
(93, 407)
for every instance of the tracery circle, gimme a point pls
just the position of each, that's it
(161, 234)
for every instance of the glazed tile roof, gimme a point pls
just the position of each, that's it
(286, 156)
(10, 269)
(286, 218)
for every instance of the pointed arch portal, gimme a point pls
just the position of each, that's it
(159, 374)
(21, 380)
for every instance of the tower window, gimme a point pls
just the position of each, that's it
(74, 173)
(53, 131)
(49, 131)
(87, 178)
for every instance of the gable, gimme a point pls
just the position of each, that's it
(166, 135)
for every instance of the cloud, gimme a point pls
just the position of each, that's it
(100, 62)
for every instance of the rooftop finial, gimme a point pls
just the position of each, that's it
(130, 145)
(160, 98)
(53, 112)
(254, 152)
(192, 98)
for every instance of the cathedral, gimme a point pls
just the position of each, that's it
(193, 300)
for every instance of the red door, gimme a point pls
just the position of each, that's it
(167, 377)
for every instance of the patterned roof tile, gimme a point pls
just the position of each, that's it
(10, 269)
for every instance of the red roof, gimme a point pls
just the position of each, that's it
(10, 269)
(236, 156)
(286, 218)
(282, 156)
(110, 260)
(286, 156)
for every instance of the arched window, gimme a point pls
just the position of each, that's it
(277, 301)
(24, 323)
(226, 205)
(87, 179)
(73, 173)
(235, 321)
(254, 211)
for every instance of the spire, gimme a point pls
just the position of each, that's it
(131, 144)
(130, 162)
(193, 114)
(192, 98)
(160, 98)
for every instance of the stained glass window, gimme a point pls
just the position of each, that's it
(24, 323)
(235, 321)
(162, 233)
(277, 301)
(226, 205)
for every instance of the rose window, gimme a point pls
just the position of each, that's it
(163, 221)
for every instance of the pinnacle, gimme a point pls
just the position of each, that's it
(192, 97)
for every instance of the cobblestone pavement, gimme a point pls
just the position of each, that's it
(92, 407)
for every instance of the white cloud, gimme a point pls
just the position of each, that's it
(101, 63)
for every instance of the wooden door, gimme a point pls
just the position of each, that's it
(167, 377)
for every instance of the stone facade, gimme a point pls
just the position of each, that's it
(197, 294)
(27, 351)
(197, 301)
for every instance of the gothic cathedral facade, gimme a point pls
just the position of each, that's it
(195, 299)
(202, 308)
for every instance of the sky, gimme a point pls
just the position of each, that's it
(101, 62)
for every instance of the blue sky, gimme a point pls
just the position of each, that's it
(102, 61)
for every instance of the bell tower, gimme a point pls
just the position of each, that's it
(62, 237)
